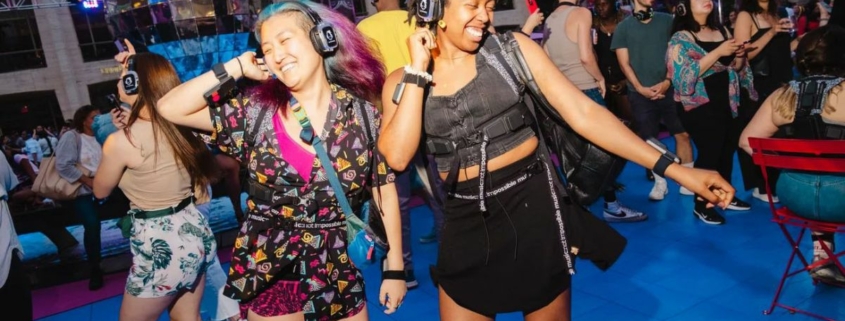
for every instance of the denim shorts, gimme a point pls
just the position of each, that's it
(595, 95)
(813, 196)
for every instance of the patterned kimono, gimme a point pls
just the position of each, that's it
(682, 61)
(331, 287)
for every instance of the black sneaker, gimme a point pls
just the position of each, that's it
(709, 216)
(738, 205)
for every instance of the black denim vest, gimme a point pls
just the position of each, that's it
(458, 117)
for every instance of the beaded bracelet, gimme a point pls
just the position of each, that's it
(412, 71)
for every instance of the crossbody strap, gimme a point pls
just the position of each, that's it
(307, 134)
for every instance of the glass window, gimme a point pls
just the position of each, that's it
(20, 43)
(92, 31)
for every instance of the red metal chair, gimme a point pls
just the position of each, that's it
(811, 155)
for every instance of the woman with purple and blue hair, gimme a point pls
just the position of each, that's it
(290, 259)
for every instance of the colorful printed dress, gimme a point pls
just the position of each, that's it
(269, 248)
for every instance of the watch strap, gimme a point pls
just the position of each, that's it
(219, 71)
(414, 79)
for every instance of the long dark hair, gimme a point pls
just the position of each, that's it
(687, 22)
(822, 52)
(80, 115)
(753, 7)
(156, 77)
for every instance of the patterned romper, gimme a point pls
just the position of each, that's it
(279, 269)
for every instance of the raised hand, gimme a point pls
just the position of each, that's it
(253, 68)
(420, 44)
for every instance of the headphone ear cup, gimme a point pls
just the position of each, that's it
(130, 82)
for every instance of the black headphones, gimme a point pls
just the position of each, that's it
(130, 79)
(644, 15)
(322, 35)
(429, 11)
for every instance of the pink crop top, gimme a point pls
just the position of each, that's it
(301, 159)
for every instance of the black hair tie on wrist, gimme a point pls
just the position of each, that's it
(393, 275)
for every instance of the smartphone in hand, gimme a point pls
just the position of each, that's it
(119, 44)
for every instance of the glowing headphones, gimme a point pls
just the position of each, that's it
(429, 11)
(323, 35)
(130, 79)
(643, 15)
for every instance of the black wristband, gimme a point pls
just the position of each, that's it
(661, 166)
(393, 275)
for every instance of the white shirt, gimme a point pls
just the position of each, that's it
(8, 238)
(31, 146)
(90, 153)
(45, 147)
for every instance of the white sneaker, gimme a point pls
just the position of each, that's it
(659, 191)
(685, 191)
(763, 197)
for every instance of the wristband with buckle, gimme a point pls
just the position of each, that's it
(393, 275)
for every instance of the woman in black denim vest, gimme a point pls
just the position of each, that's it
(502, 245)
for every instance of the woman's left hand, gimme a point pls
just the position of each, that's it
(121, 56)
(707, 184)
(392, 294)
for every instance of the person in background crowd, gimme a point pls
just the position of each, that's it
(640, 43)
(607, 17)
(731, 21)
(820, 58)
(707, 68)
(33, 149)
(771, 63)
(15, 290)
(79, 148)
(569, 40)
(46, 140)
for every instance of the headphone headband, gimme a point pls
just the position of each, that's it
(323, 35)
(315, 19)
(130, 63)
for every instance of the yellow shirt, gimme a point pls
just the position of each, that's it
(389, 33)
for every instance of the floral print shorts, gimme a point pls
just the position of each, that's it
(169, 253)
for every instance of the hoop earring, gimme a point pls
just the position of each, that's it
(441, 24)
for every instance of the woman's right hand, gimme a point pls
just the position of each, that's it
(782, 25)
(420, 44)
(727, 48)
(705, 183)
(252, 67)
(119, 116)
